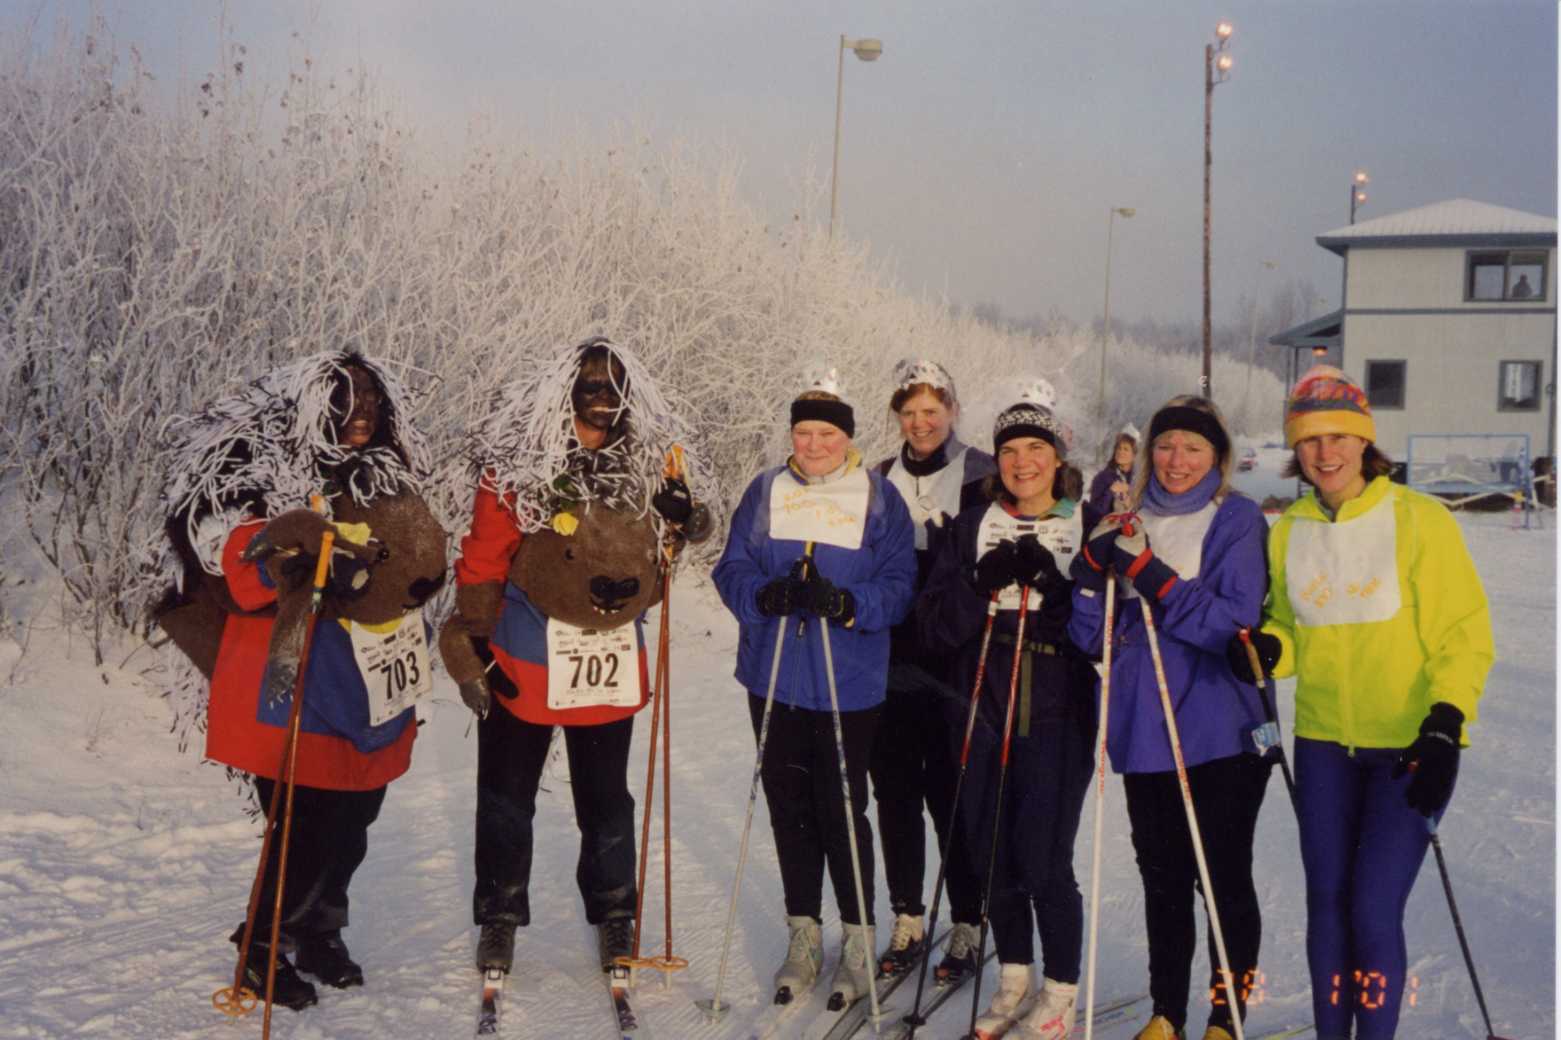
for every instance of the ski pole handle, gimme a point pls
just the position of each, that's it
(1252, 657)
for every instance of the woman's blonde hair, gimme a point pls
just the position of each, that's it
(1142, 473)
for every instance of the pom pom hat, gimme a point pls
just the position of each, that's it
(1325, 400)
(911, 372)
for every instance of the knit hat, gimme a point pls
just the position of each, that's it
(1325, 400)
(1032, 415)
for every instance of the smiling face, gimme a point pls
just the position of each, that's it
(356, 405)
(1028, 469)
(818, 447)
(925, 422)
(597, 395)
(1124, 455)
(1181, 459)
(1332, 463)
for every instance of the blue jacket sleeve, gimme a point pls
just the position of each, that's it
(1228, 592)
(1087, 625)
(884, 598)
(740, 573)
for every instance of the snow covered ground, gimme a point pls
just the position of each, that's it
(124, 863)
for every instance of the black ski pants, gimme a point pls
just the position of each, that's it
(510, 757)
(1033, 883)
(1226, 794)
(801, 778)
(329, 839)
(915, 760)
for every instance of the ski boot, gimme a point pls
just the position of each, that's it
(290, 992)
(907, 942)
(1052, 1016)
(1009, 1003)
(614, 939)
(851, 974)
(959, 956)
(496, 946)
(1159, 1028)
(804, 959)
(325, 957)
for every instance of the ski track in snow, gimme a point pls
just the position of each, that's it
(124, 864)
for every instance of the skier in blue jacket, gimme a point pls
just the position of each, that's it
(1197, 557)
(820, 537)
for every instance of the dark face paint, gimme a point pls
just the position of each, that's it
(596, 398)
(355, 404)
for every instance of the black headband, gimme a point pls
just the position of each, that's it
(836, 413)
(1193, 420)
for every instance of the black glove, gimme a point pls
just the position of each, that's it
(829, 601)
(997, 568)
(1101, 544)
(1037, 565)
(349, 576)
(1433, 758)
(1086, 576)
(782, 596)
(673, 501)
(1267, 647)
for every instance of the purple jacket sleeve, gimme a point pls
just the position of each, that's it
(1228, 592)
(740, 573)
(884, 598)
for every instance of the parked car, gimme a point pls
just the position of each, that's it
(1247, 460)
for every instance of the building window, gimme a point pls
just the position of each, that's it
(1518, 389)
(1385, 383)
(1506, 274)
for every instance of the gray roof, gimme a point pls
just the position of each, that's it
(1456, 222)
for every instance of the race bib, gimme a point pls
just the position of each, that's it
(829, 514)
(1060, 534)
(1345, 573)
(393, 660)
(592, 668)
(1178, 540)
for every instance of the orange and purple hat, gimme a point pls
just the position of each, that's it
(1325, 400)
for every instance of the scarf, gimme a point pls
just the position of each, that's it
(1161, 502)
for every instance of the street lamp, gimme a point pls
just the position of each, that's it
(866, 50)
(1215, 71)
(1357, 195)
(1105, 334)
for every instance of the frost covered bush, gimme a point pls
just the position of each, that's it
(156, 253)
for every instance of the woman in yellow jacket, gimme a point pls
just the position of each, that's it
(1375, 606)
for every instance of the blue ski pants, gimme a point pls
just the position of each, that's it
(1361, 847)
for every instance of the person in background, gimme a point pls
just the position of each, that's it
(820, 537)
(1024, 536)
(1109, 490)
(1194, 555)
(913, 755)
(1377, 610)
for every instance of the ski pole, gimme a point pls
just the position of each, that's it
(862, 909)
(713, 1007)
(1272, 715)
(1463, 940)
(238, 999)
(915, 1019)
(1192, 817)
(997, 812)
(1100, 800)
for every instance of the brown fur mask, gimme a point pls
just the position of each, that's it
(601, 576)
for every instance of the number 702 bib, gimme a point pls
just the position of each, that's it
(592, 668)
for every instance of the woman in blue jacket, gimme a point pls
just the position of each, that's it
(1197, 557)
(820, 537)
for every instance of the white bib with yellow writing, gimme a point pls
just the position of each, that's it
(828, 514)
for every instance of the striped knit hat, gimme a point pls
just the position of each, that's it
(1325, 400)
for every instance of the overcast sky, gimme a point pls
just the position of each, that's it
(983, 151)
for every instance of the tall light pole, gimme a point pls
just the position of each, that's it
(1105, 332)
(1357, 191)
(867, 50)
(1215, 71)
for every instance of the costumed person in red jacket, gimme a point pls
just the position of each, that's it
(571, 505)
(243, 546)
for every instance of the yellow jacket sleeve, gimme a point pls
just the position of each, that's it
(1278, 618)
(1453, 613)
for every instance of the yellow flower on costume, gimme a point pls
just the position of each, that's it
(565, 524)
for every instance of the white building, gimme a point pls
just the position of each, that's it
(1449, 322)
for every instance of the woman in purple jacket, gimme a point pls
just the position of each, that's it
(1197, 557)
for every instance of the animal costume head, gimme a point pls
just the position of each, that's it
(332, 425)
